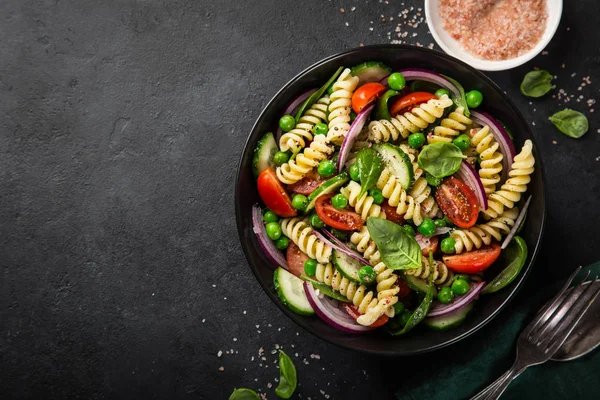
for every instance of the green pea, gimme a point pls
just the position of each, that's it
(416, 140)
(439, 223)
(273, 230)
(432, 180)
(448, 222)
(377, 196)
(460, 287)
(282, 243)
(366, 275)
(405, 317)
(474, 98)
(340, 234)
(310, 267)
(462, 142)
(427, 227)
(354, 174)
(445, 295)
(321, 129)
(299, 202)
(287, 123)
(316, 221)
(441, 92)
(270, 216)
(281, 158)
(462, 276)
(410, 231)
(398, 308)
(326, 168)
(396, 81)
(339, 201)
(448, 245)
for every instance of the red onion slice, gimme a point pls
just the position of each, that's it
(412, 74)
(515, 227)
(353, 132)
(328, 238)
(438, 309)
(292, 109)
(329, 311)
(506, 145)
(470, 177)
(272, 252)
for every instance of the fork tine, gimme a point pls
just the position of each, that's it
(549, 309)
(564, 328)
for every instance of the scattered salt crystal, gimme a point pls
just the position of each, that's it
(220, 353)
(203, 319)
(554, 142)
(235, 339)
(342, 10)
(221, 369)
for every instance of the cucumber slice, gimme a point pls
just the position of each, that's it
(418, 284)
(370, 71)
(329, 186)
(398, 162)
(291, 292)
(263, 154)
(347, 265)
(449, 321)
(326, 290)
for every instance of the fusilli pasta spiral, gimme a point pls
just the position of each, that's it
(341, 106)
(449, 127)
(407, 204)
(294, 170)
(479, 235)
(304, 129)
(518, 178)
(300, 232)
(365, 205)
(491, 158)
(442, 276)
(410, 122)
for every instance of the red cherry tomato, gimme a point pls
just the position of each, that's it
(406, 103)
(365, 95)
(474, 261)
(404, 289)
(391, 214)
(295, 259)
(353, 312)
(308, 184)
(345, 220)
(273, 194)
(458, 202)
(427, 243)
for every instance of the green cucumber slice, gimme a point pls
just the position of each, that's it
(326, 290)
(418, 284)
(329, 186)
(318, 94)
(290, 289)
(347, 265)
(398, 162)
(449, 321)
(370, 71)
(263, 154)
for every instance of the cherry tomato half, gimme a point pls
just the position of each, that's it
(458, 202)
(406, 103)
(345, 220)
(391, 214)
(427, 243)
(273, 194)
(474, 261)
(295, 259)
(353, 312)
(366, 94)
(308, 184)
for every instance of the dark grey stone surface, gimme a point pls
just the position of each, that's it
(120, 130)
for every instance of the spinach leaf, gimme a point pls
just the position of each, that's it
(570, 122)
(244, 394)
(536, 83)
(381, 107)
(421, 311)
(398, 250)
(287, 376)
(440, 159)
(318, 94)
(462, 100)
(369, 168)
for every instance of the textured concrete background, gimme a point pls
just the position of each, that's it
(121, 126)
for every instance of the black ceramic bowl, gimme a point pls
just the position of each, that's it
(496, 103)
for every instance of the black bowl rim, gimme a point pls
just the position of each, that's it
(288, 312)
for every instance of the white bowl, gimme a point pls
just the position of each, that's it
(455, 49)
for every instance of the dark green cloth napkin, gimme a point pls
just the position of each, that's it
(462, 370)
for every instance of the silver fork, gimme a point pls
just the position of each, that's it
(546, 333)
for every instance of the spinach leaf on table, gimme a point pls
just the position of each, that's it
(287, 376)
(440, 159)
(570, 122)
(536, 83)
(398, 250)
(369, 169)
(244, 394)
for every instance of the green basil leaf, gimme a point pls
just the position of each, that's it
(318, 94)
(440, 159)
(381, 107)
(244, 394)
(398, 250)
(369, 168)
(462, 100)
(536, 83)
(287, 376)
(421, 311)
(570, 122)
